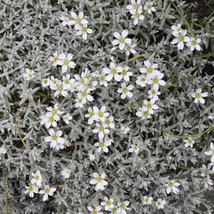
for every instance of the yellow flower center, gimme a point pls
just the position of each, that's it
(102, 78)
(54, 111)
(149, 106)
(47, 190)
(94, 212)
(30, 76)
(124, 72)
(135, 148)
(155, 80)
(84, 29)
(51, 119)
(66, 81)
(122, 206)
(99, 179)
(84, 94)
(181, 38)
(114, 71)
(78, 21)
(101, 128)
(137, 15)
(54, 137)
(170, 184)
(91, 114)
(146, 113)
(55, 59)
(108, 203)
(124, 90)
(102, 144)
(198, 95)
(136, 6)
(194, 43)
(158, 203)
(100, 114)
(122, 40)
(149, 70)
(37, 177)
(66, 62)
(30, 188)
(146, 200)
(107, 122)
(149, 6)
(60, 88)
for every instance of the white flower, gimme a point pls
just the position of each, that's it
(91, 116)
(160, 203)
(55, 111)
(108, 204)
(211, 152)
(65, 62)
(172, 187)
(67, 117)
(122, 207)
(47, 192)
(157, 80)
(45, 83)
(99, 181)
(57, 142)
(180, 39)
(176, 30)
(125, 90)
(141, 80)
(49, 120)
(37, 178)
(31, 189)
(109, 122)
(84, 30)
(53, 82)
(79, 103)
(100, 114)
(101, 129)
(68, 81)
(61, 89)
(65, 20)
(124, 130)
(130, 49)
(147, 200)
(125, 74)
(95, 210)
(198, 95)
(189, 142)
(150, 69)
(150, 106)
(55, 59)
(153, 94)
(143, 113)
(66, 173)
(29, 74)
(121, 39)
(206, 170)
(194, 44)
(103, 80)
(149, 7)
(78, 20)
(103, 145)
(84, 95)
(134, 148)
(113, 72)
(134, 6)
(137, 16)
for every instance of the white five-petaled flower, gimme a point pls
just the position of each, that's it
(160, 203)
(211, 152)
(141, 80)
(194, 44)
(108, 204)
(61, 89)
(189, 142)
(57, 142)
(198, 95)
(180, 39)
(49, 120)
(130, 49)
(150, 105)
(55, 59)
(157, 80)
(31, 189)
(150, 69)
(65, 62)
(109, 122)
(84, 31)
(91, 116)
(95, 210)
(101, 129)
(66, 173)
(125, 90)
(99, 181)
(134, 148)
(100, 114)
(102, 145)
(65, 20)
(147, 200)
(85, 95)
(67, 118)
(172, 187)
(153, 94)
(143, 113)
(121, 39)
(149, 7)
(134, 6)
(125, 74)
(122, 207)
(47, 192)
(29, 74)
(37, 178)
(113, 72)
(78, 20)
(176, 30)
(45, 82)
(124, 130)
(137, 16)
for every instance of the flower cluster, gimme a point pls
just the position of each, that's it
(36, 183)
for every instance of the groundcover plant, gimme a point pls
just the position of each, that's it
(106, 106)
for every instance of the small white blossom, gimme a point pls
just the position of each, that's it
(47, 192)
(108, 204)
(150, 69)
(160, 203)
(194, 44)
(113, 72)
(37, 178)
(122, 207)
(101, 129)
(109, 122)
(207, 182)
(55, 59)
(147, 200)
(180, 39)
(157, 80)
(134, 6)
(124, 130)
(125, 74)
(153, 94)
(45, 83)
(65, 62)
(134, 148)
(66, 173)
(66, 20)
(78, 20)
(141, 80)
(172, 187)
(130, 49)
(67, 118)
(95, 210)
(121, 39)
(176, 30)
(143, 113)
(31, 189)
(198, 95)
(150, 105)
(84, 31)
(189, 142)
(29, 74)
(137, 16)
(103, 145)
(100, 114)
(125, 90)
(149, 7)
(99, 181)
